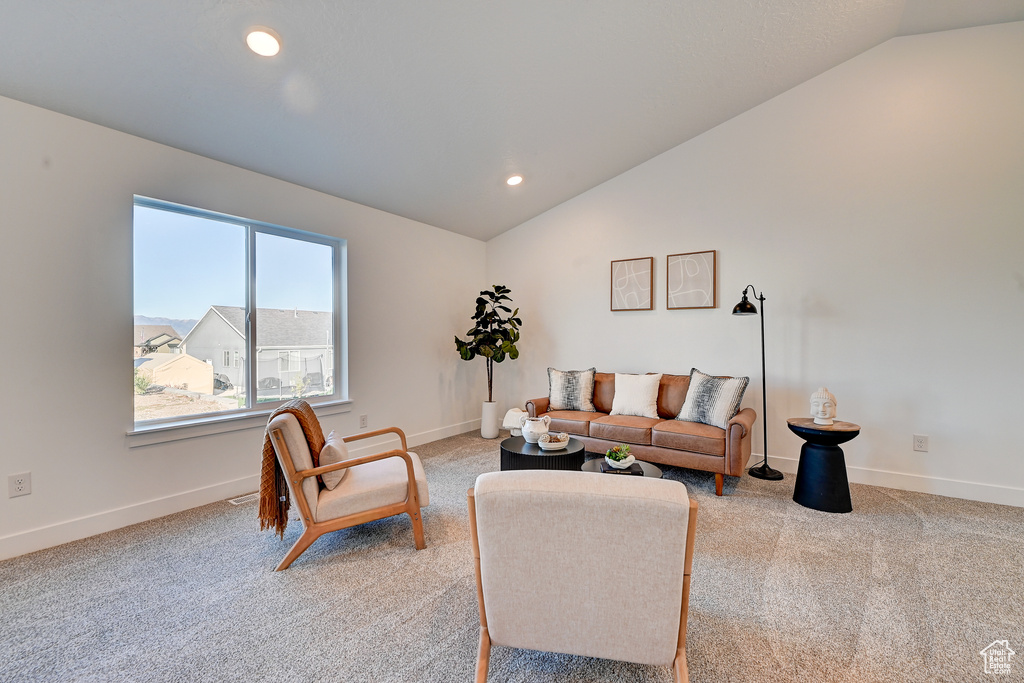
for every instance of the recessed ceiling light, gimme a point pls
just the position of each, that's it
(263, 41)
(514, 180)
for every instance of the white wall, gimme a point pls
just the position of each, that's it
(66, 190)
(881, 208)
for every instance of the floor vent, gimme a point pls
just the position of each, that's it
(247, 498)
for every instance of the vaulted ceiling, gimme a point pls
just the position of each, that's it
(423, 109)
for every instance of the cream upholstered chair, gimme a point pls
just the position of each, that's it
(376, 486)
(584, 564)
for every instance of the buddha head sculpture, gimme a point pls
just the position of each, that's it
(823, 406)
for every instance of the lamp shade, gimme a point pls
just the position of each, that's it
(744, 307)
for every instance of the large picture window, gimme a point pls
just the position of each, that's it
(232, 314)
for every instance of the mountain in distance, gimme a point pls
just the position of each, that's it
(182, 327)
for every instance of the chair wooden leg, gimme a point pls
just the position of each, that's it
(719, 482)
(679, 672)
(483, 657)
(417, 529)
(305, 540)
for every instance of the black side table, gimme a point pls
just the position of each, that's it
(517, 454)
(821, 481)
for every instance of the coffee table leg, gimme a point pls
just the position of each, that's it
(821, 481)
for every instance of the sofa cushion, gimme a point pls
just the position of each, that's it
(604, 391)
(623, 428)
(712, 400)
(636, 395)
(689, 436)
(570, 389)
(572, 421)
(671, 394)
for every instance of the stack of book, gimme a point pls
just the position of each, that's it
(633, 469)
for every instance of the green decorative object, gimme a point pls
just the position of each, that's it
(619, 457)
(492, 336)
(620, 452)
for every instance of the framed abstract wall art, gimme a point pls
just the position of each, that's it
(691, 280)
(632, 282)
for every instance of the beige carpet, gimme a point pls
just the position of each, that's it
(909, 587)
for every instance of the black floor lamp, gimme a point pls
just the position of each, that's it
(744, 307)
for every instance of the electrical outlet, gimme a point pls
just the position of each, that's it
(364, 421)
(921, 442)
(19, 484)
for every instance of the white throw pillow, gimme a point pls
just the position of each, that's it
(636, 395)
(335, 450)
(712, 401)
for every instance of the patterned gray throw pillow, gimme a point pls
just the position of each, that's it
(712, 401)
(571, 389)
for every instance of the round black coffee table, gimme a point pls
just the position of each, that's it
(517, 454)
(650, 470)
(821, 481)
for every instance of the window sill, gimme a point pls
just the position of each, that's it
(218, 424)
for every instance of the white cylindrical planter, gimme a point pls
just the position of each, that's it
(489, 420)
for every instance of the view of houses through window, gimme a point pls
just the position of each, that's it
(195, 274)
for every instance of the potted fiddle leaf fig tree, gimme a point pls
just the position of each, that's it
(494, 335)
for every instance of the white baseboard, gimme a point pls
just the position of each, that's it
(72, 530)
(442, 433)
(952, 488)
(75, 529)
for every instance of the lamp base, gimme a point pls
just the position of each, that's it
(762, 471)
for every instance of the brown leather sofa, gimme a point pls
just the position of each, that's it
(665, 440)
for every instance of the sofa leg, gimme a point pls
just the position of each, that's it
(719, 482)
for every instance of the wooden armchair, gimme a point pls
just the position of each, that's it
(376, 486)
(583, 564)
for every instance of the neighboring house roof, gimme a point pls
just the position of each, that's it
(279, 327)
(233, 315)
(292, 327)
(145, 333)
(213, 311)
(161, 339)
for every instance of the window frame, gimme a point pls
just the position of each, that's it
(166, 429)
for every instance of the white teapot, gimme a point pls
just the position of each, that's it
(534, 427)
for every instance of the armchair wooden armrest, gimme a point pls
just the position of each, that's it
(379, 432)
(323, 469)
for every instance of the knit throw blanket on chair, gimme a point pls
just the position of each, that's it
(274, 498)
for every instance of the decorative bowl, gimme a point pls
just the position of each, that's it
(620, 464)
(553, 442)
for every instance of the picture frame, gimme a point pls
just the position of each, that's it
(632, 284)
(691, 280)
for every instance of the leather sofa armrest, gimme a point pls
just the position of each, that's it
(745, 419)
(737, 441)
(537, 406)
